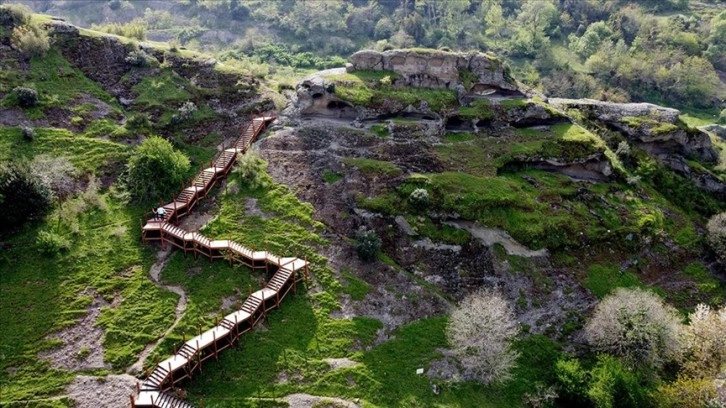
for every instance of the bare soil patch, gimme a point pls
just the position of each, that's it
(82, 347)
(102, 392)
(308, 401)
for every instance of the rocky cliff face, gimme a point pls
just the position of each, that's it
(658, 131)
(464, 72)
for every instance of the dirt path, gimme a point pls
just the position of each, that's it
(155, 274)
(491, 236)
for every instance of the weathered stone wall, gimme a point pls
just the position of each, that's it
(474, 72)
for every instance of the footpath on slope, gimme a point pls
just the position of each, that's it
(287, 272)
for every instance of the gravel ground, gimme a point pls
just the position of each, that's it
(112, 391)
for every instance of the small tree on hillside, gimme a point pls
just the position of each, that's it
(23, 195)
(251, 169)
(481, 331)
(705, 342)
(367, 244)
(636, 325)
(717, 235)
(155, 170)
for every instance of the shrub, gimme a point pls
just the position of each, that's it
(58, 173)
(26, 97)
(705, 342)
(614, 385)
(50, 243)
(572, 381)
(419, 198)
(367, 244)
(717, 235)
(140, 58)
(23, 195)
(28, 133)
(687, 392)
(184, 113)
(138, 121)
(636, 325)
(251, 170)
(133, 29)
(155, 170)
(722, 117)
(30, 40)
(15, 14)
(481, 331)
(623, 149)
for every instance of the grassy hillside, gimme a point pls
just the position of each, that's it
(77, 298)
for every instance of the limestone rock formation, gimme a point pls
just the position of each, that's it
(656, 129)
(474, 72)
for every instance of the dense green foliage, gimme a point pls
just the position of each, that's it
(23, 195)
(660, 51)
(156, 170)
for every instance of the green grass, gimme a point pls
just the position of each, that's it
(509, 104)
(458, 137)
(58, 84)
(371, 167)
(381, 130)
(41, 294)
(603, 279)
(167, 91)
(332, 177)
(365, 88)
(478, 109)
(354, 286)
(708, 285)
(86, 153)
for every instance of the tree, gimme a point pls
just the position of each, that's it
(58, 173)
(705, 342)
(251, 170)
(26, 97)
(23, 195)
(717, 235)
(637, 325)
(367, 244)
(155, 170)
(481, 331)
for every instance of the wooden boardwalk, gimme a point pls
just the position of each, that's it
(287, 272)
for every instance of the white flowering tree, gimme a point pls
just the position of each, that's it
(480, 332)
(637, 325)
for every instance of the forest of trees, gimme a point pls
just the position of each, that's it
(663, 51)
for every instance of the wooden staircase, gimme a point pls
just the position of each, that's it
(289, 271)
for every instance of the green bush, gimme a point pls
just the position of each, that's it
(28, 133)
(30, 40)
(155, 170)
(15, 14)
(23, 195)
(133, 29)
(612, 384)
(50, 243)
(722, 117)
(139, 58)
(26, 97)
(184, 113)
(251, 170)
(572, 381)
(138, 121)
(419, 198)
(367, 244)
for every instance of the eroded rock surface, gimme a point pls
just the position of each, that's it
(475, 72)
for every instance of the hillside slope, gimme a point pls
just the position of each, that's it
(556, 203)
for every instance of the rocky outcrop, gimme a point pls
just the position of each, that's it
(465, 72)
(655, 129)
